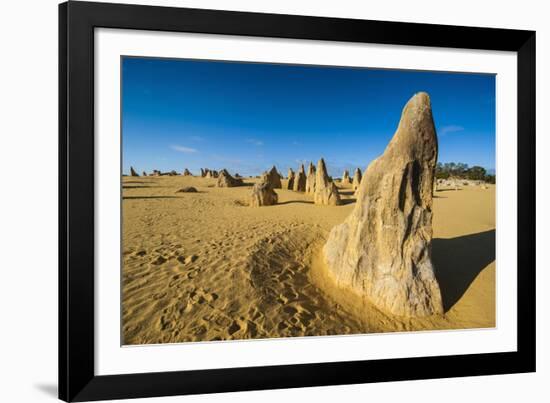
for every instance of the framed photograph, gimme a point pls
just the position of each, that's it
(257, 201)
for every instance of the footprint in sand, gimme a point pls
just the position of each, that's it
(234, 328)
(158, 260)
(187, 259)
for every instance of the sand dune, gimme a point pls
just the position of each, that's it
(205, 266)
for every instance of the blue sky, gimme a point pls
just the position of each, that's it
(247, 117)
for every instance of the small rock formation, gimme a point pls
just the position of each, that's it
(203, 172)
(172, 173)
(188, 189)
(186, 172)
(382, 250)
(310, 179)
(345, 178)
(156, 172)
(237, 175)
(272, 177)
(225, 180)
(144, 173)
(290, 183)
(357, 176)
(326, 192)
(300, 180)
(263, 195)
(133, 172)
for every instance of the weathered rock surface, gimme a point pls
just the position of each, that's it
(186, 172)
(310, 179)
(225, 180)
(300, 180)
(357, 176)
(263, 195)
(326, 192)
(133, 172)
(382, 251)
(290, 182)
(273, 178)
(345, 178)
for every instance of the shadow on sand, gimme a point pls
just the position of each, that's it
(348, 201)
(459, 260)
(296, 201)
(138, 186)
(149, 197)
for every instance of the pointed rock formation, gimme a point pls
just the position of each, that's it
(290, 183)
(186, 172)
(345, 178)
(326, 192)
(225, 180)
(310, 179)
(203, 172)
(144, 173)
(133, 172)
(273, 178)
(382, 250)
(263, 195)
(300, 180)
(357, 176)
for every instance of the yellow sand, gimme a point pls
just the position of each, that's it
(205, 266)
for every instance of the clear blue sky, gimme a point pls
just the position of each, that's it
(247, 117)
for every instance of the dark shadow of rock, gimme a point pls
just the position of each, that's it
(137, 187)
(459, 260)
(296, 201)
(150, 197)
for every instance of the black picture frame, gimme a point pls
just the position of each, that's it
(77, 379)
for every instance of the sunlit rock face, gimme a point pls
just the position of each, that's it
(382, 250)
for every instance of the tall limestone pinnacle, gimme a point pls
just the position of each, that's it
(300, 180)
(382, 251)
(310, 179)
(357, 176)
(345, 177)
(326, 192)
(273, 177)
(291, 177)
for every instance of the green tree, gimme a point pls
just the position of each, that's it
(476, 173)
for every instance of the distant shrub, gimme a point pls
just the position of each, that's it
(462, 171)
